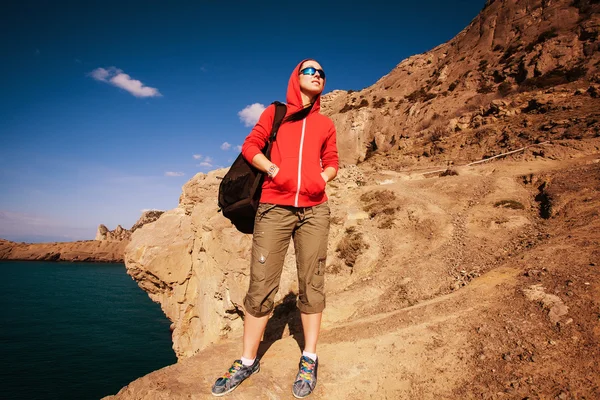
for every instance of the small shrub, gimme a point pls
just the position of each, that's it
(437, 134)
(498, 77)
(371, 149)
(351, 246)
(453, 86)
(347, 107)
(549, 34)
(379, 103)
(448, 172)
(509, 52)
(379, 202)
(387, 223)
(512, 204)
(504, 89)
(498, 48)
(521, 75)
(584, 6)
(420, 95)
(485, 88)
(482, 66)
(555, 77)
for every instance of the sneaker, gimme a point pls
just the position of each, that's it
(306, 380)
(234, 376)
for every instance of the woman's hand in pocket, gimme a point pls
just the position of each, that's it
(325, 177)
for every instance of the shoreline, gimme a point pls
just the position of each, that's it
(89, 251)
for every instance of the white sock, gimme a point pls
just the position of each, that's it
(312, 356)
(247, 362)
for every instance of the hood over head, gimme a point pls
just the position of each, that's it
(294, 97)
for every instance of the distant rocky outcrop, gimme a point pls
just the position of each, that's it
(109, 246)
(82, 251)
(120, 234)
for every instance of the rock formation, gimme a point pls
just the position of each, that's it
(120, 234)
(430, 255)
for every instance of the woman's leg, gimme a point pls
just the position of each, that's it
(311, 325)
(310, 241)
(272, 231)
(254, 328)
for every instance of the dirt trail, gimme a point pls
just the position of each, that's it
(439, 306)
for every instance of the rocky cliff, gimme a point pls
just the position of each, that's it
(448, 265)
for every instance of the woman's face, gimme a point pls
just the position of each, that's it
(311, 85)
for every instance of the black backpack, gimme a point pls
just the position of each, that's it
(240, 189)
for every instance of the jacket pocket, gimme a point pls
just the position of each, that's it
(285, 180)
(313, 184)
(318, 280)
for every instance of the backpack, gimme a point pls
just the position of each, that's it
(240, 189)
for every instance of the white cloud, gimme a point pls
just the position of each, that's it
(238, 147)
(250, 115)
(225, 146)
(170, 173)
(208, 159)
(197, 156)
(118, 78)
(205, 164)
(100, 74)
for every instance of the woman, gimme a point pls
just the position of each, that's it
(293, 204)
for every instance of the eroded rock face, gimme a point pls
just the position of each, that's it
(511, 46)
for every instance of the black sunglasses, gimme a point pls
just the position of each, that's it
(312, 71)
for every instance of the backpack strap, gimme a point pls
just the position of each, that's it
(280, 110)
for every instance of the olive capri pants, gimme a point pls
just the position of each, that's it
(273, 228)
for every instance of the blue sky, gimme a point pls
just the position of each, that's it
(108, 108)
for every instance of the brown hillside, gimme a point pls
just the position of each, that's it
(510, 51)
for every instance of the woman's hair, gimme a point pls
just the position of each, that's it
(299, 115)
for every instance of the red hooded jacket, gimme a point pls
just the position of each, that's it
(302, 150)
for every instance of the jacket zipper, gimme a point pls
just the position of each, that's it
(300, 162)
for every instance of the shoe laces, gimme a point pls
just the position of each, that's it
(306, 370)
(235, 367)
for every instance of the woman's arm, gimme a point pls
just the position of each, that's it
(329, 156)
(262, 163)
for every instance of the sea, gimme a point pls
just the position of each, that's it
(76, 330)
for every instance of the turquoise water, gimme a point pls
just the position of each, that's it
(76, 331)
